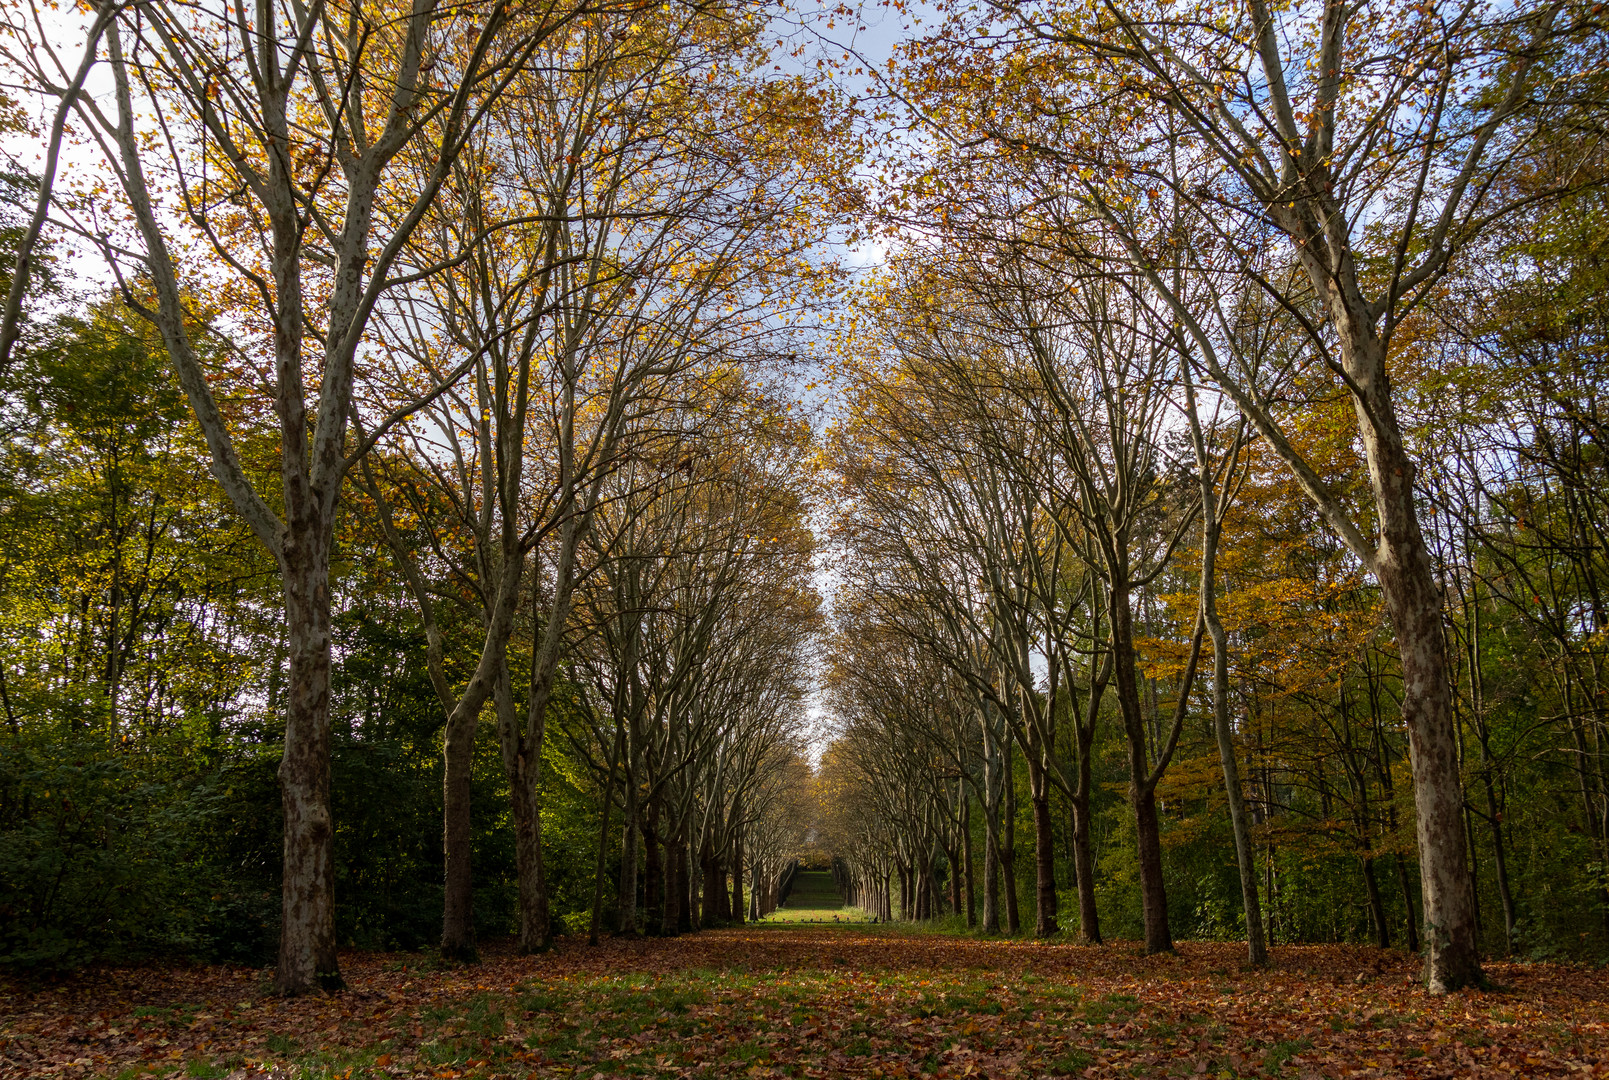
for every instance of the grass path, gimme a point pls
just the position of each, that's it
(815, 899)
(816, 1002)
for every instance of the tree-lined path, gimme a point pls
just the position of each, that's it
(488, 491)
(814, 898)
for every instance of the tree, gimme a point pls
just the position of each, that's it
(1302, 121)
(1216, 479)
(301, 146)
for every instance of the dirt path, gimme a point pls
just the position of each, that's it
(817, 1002)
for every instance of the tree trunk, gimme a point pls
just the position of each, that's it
(1377, 910)
(626, 895)
(991, 883)
(1245, 855)
(684, 882)
(1495, 816)
(1411, 597)
(536, 922)
(458, 756)
(1008, 843)
(1269, 885)
(1211, 530)
(953, 866)
(1474, 871)
(707, 872)
(1044, 853)
(1403, 568)
(603, 838)
(722, 894)
(966, 840)
(522, 764)
(671, 917)
(653, 872)
(1142, 795)
(1089, 919)
(737, 869)
(1153, 897)
(1408, 903)
(307, 959)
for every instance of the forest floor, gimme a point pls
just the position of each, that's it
(852, 1001)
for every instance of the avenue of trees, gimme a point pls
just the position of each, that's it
(411, 525)
(1221, 471)
(481, 318)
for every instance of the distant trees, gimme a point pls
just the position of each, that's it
(120, 566)
(134, 610)
(582, 328)
(1047, 502)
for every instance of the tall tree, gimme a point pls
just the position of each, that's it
(301, 146)
(1307, 121)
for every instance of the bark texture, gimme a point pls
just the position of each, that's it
(457, 914)
(307, 957)
(1044, 858)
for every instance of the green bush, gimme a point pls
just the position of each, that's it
(97, 854)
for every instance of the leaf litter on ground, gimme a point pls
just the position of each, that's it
(786, 1001)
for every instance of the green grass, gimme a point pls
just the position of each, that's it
(815, 899)
(1281, 1052)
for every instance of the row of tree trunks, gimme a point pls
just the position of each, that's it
(670, 898)
(867, 888)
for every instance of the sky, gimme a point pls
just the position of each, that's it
(872, 41)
